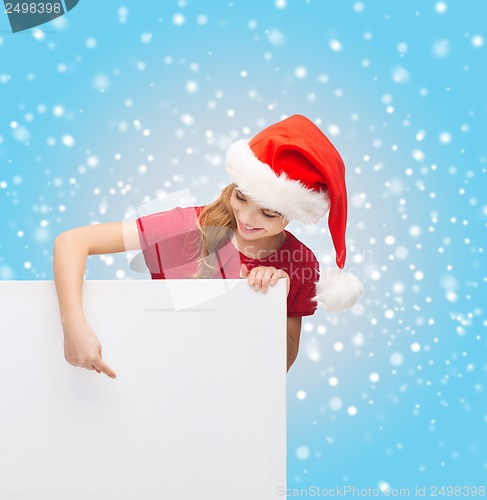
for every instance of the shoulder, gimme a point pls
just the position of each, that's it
(173, 215)
(168, 223)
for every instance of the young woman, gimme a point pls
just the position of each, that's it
(289, 171)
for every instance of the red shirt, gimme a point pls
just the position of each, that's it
(168, 243)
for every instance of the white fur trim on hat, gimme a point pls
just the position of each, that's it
(337, 290)
(287, 196)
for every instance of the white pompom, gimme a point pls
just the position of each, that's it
(337, 290)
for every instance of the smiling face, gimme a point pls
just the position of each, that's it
(254, 222)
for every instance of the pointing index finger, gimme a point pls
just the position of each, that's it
(103, 367)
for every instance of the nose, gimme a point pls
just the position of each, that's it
(248, 224)
(249, 214)
(245, 218)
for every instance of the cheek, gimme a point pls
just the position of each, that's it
(280, 226)
(274, 227)
(233, 204)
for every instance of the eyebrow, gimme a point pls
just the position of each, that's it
(266, 209)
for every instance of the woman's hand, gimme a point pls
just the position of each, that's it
(82, 348)
(262, 276)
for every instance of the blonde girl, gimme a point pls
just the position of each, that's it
(288, 171)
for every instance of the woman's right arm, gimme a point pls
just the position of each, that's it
(71, 249)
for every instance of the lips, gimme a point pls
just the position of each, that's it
(247, 229)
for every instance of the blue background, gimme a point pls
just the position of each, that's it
(115, 104)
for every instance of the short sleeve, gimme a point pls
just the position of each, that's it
(165, 238)
(302, 303)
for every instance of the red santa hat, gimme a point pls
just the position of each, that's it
(293, 168)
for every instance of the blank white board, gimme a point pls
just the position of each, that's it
(197, 411)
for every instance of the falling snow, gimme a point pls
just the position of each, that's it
(146, 105)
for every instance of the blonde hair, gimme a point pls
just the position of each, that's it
(215, 223)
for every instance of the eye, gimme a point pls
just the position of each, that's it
(245, 201)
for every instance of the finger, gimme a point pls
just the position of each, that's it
(262, 277)
(96, 369)
(288, 281)
(101, 365)
(253, 276)
(275, 277)
(266, 278)
(243, 271)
